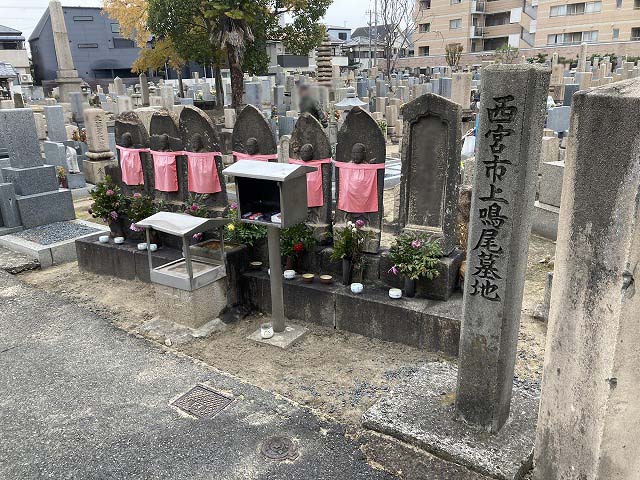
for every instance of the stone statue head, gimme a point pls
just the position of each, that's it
(197, 143)
(304, 90)
(358, 153)
(126, 140)
(163, 142)
(252, 146)
(306, 152)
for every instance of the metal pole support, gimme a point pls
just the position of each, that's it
(275, 266)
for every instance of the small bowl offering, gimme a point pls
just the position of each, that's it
(103, 238)
(326, 279)
(308, 277)
(142, 246)
(357, 288)
(395, 293)
(266, 331)
(255, 265)
(118, 240)
(153, 247)
(289, 274)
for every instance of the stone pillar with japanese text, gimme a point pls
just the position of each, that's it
(512, 114)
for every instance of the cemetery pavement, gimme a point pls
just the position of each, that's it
(83, 399)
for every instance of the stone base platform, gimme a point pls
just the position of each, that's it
(45, 208)
(121, 261)
(51, 244)
(292, 334)
(192, 309)
(426, 324)
(421, 413)
(94, 170)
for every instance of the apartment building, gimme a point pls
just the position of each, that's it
(532, 26)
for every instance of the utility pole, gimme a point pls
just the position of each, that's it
(370, 34)
(375, 18)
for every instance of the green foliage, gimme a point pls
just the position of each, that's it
(108, 201)
(139, 207)
(415, 256)
(196, 206)
(242, 233)
(349, 242)
(452, 54)
(296, 240)
(506, 54)
(383, 126)
(539, 58)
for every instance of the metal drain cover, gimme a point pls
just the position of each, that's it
(202, 402)
(280, 448)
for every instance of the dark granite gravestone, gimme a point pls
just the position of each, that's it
(196, 125)
(360, 129)
(309, 142)
(431, 168)
(250, 129)
(131, 124)
(164, 135)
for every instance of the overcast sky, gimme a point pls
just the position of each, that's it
(23, 15)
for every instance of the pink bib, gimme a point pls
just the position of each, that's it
(165, 171)
(130, 165)
(315, 196)
(358, 190)
(259, 158)
(203, 173)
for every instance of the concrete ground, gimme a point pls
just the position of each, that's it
(83, 399)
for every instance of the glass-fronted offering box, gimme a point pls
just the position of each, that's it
(270, 193)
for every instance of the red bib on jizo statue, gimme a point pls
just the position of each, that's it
(358, 190)
(165, 171)
(315, 196)
(203, 172)
(131, 165)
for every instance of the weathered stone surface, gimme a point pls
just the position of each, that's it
(510, 132)
(194, 121)
(192, 309)
(47, 207)
(359, 128)
(18, 135)
(252, 124)
(589, 413)
(97, 134)
(9, 214)
(29, 181)
(54, 115)
(431, 168)
(308, 131)
(67, 77)
(421, 412)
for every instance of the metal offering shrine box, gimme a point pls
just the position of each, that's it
(268, 193)
(190, 272)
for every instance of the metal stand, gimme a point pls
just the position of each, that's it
(275, 266)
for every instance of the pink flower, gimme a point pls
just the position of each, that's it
(114, 215)
(359, 223)
(110, 193)
(233, 206)
(135, 228)
(197, 236)
(416, 244)
(137, 195)
(194, 207)
(393, 270)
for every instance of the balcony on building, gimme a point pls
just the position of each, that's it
(478, 6)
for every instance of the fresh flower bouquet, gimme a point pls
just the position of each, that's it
(415, 257)
(296, 240)
(196, 207)
(242, 233)
(140, 207)
(109, 205)
(349, 242)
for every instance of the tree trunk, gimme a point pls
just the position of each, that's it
(219, 86)
(237, 83)
(180, 86)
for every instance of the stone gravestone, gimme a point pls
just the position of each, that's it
(165, 137)
(198, 134)
(144, 89)
(99, 155)
(431, 168)
(360, 141)
(309, 143)
(35, 185)
(131, 133)
(509, 135)
(252, 134)
(588, 420)
(54, 115)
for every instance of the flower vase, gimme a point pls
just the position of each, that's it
(346, 271)
(118, 227)
(409, 287)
